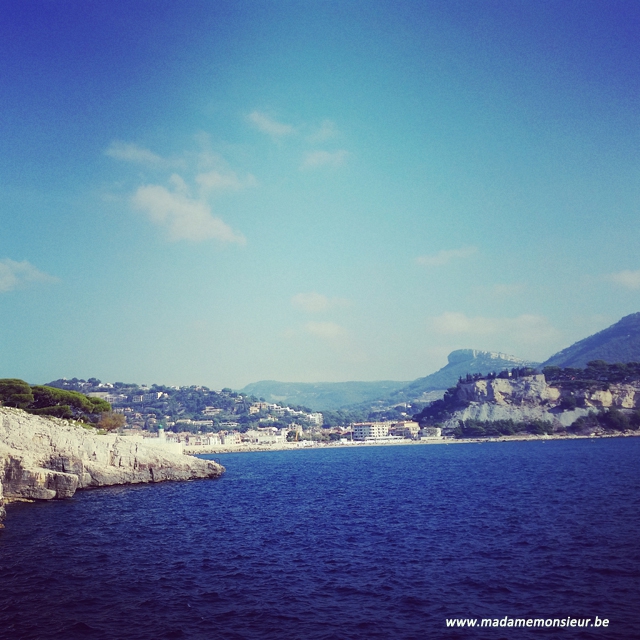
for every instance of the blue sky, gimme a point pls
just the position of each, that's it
(222, 192)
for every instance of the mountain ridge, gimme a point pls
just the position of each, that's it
(322, 395)
(345, 395)
(619, 342)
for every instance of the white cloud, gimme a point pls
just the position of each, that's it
(183, 217)
(329, 331)
(526, 328)
(268, 125)
(327, 131)
(182, 207)
(14, 275)
(626, 279)
(316, 303)
(446, 256)
(316, 159)
(215, 180)
(130, 152)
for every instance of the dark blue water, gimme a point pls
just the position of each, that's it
(375, 542)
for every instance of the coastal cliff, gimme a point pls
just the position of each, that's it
(533, 398)
(45, 458)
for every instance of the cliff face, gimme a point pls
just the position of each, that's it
(44, 458)
(529, 390)
(530, 397)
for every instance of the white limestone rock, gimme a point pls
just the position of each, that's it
(44, 458)
(531, 398)
(529, 390)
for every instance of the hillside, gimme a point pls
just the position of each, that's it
(594, 400)
(618, 343)
(460, 363)
(329, 396)
(322, 395)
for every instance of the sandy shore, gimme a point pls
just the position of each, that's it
(297, 446)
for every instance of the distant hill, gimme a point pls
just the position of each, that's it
(619, 343)
(322, 395)
(460, 363)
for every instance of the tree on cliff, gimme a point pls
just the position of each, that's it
(50, 401)
(110, 421)
(15, 393)
(65, 404)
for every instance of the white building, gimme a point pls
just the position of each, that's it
(315, 419)
(370, 430)
(265, 436)
(111, 398)
(406, 429)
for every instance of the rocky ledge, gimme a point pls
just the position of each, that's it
(44, 458)
(532, 398)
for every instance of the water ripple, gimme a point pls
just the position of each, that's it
(342, 544)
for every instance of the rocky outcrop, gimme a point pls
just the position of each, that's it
(44, 458)
(532, 398)
(460, 363)
(528, 390)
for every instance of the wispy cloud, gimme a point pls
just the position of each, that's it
(446, 256)
(184, 212)
(183, 217)
(316, 302)
(15, 275)
(318, 159)
(130, 152)
(268, 125)
(216, 180)
(626, 279)
(327, 131)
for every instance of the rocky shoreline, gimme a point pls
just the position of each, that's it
(43, 458)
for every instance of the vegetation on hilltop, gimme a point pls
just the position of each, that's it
(195, 409)
(49, 401)
(597, 372)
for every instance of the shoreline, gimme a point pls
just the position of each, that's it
(293, 446)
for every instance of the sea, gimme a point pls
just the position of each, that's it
(353, 543)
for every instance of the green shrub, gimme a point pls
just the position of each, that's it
(15, 393)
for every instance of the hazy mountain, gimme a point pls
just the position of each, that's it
(619, 343)
(322, 395)
(336, 395)
(460, 363)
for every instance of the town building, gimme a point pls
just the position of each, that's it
(405, 429)
(370, 430)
